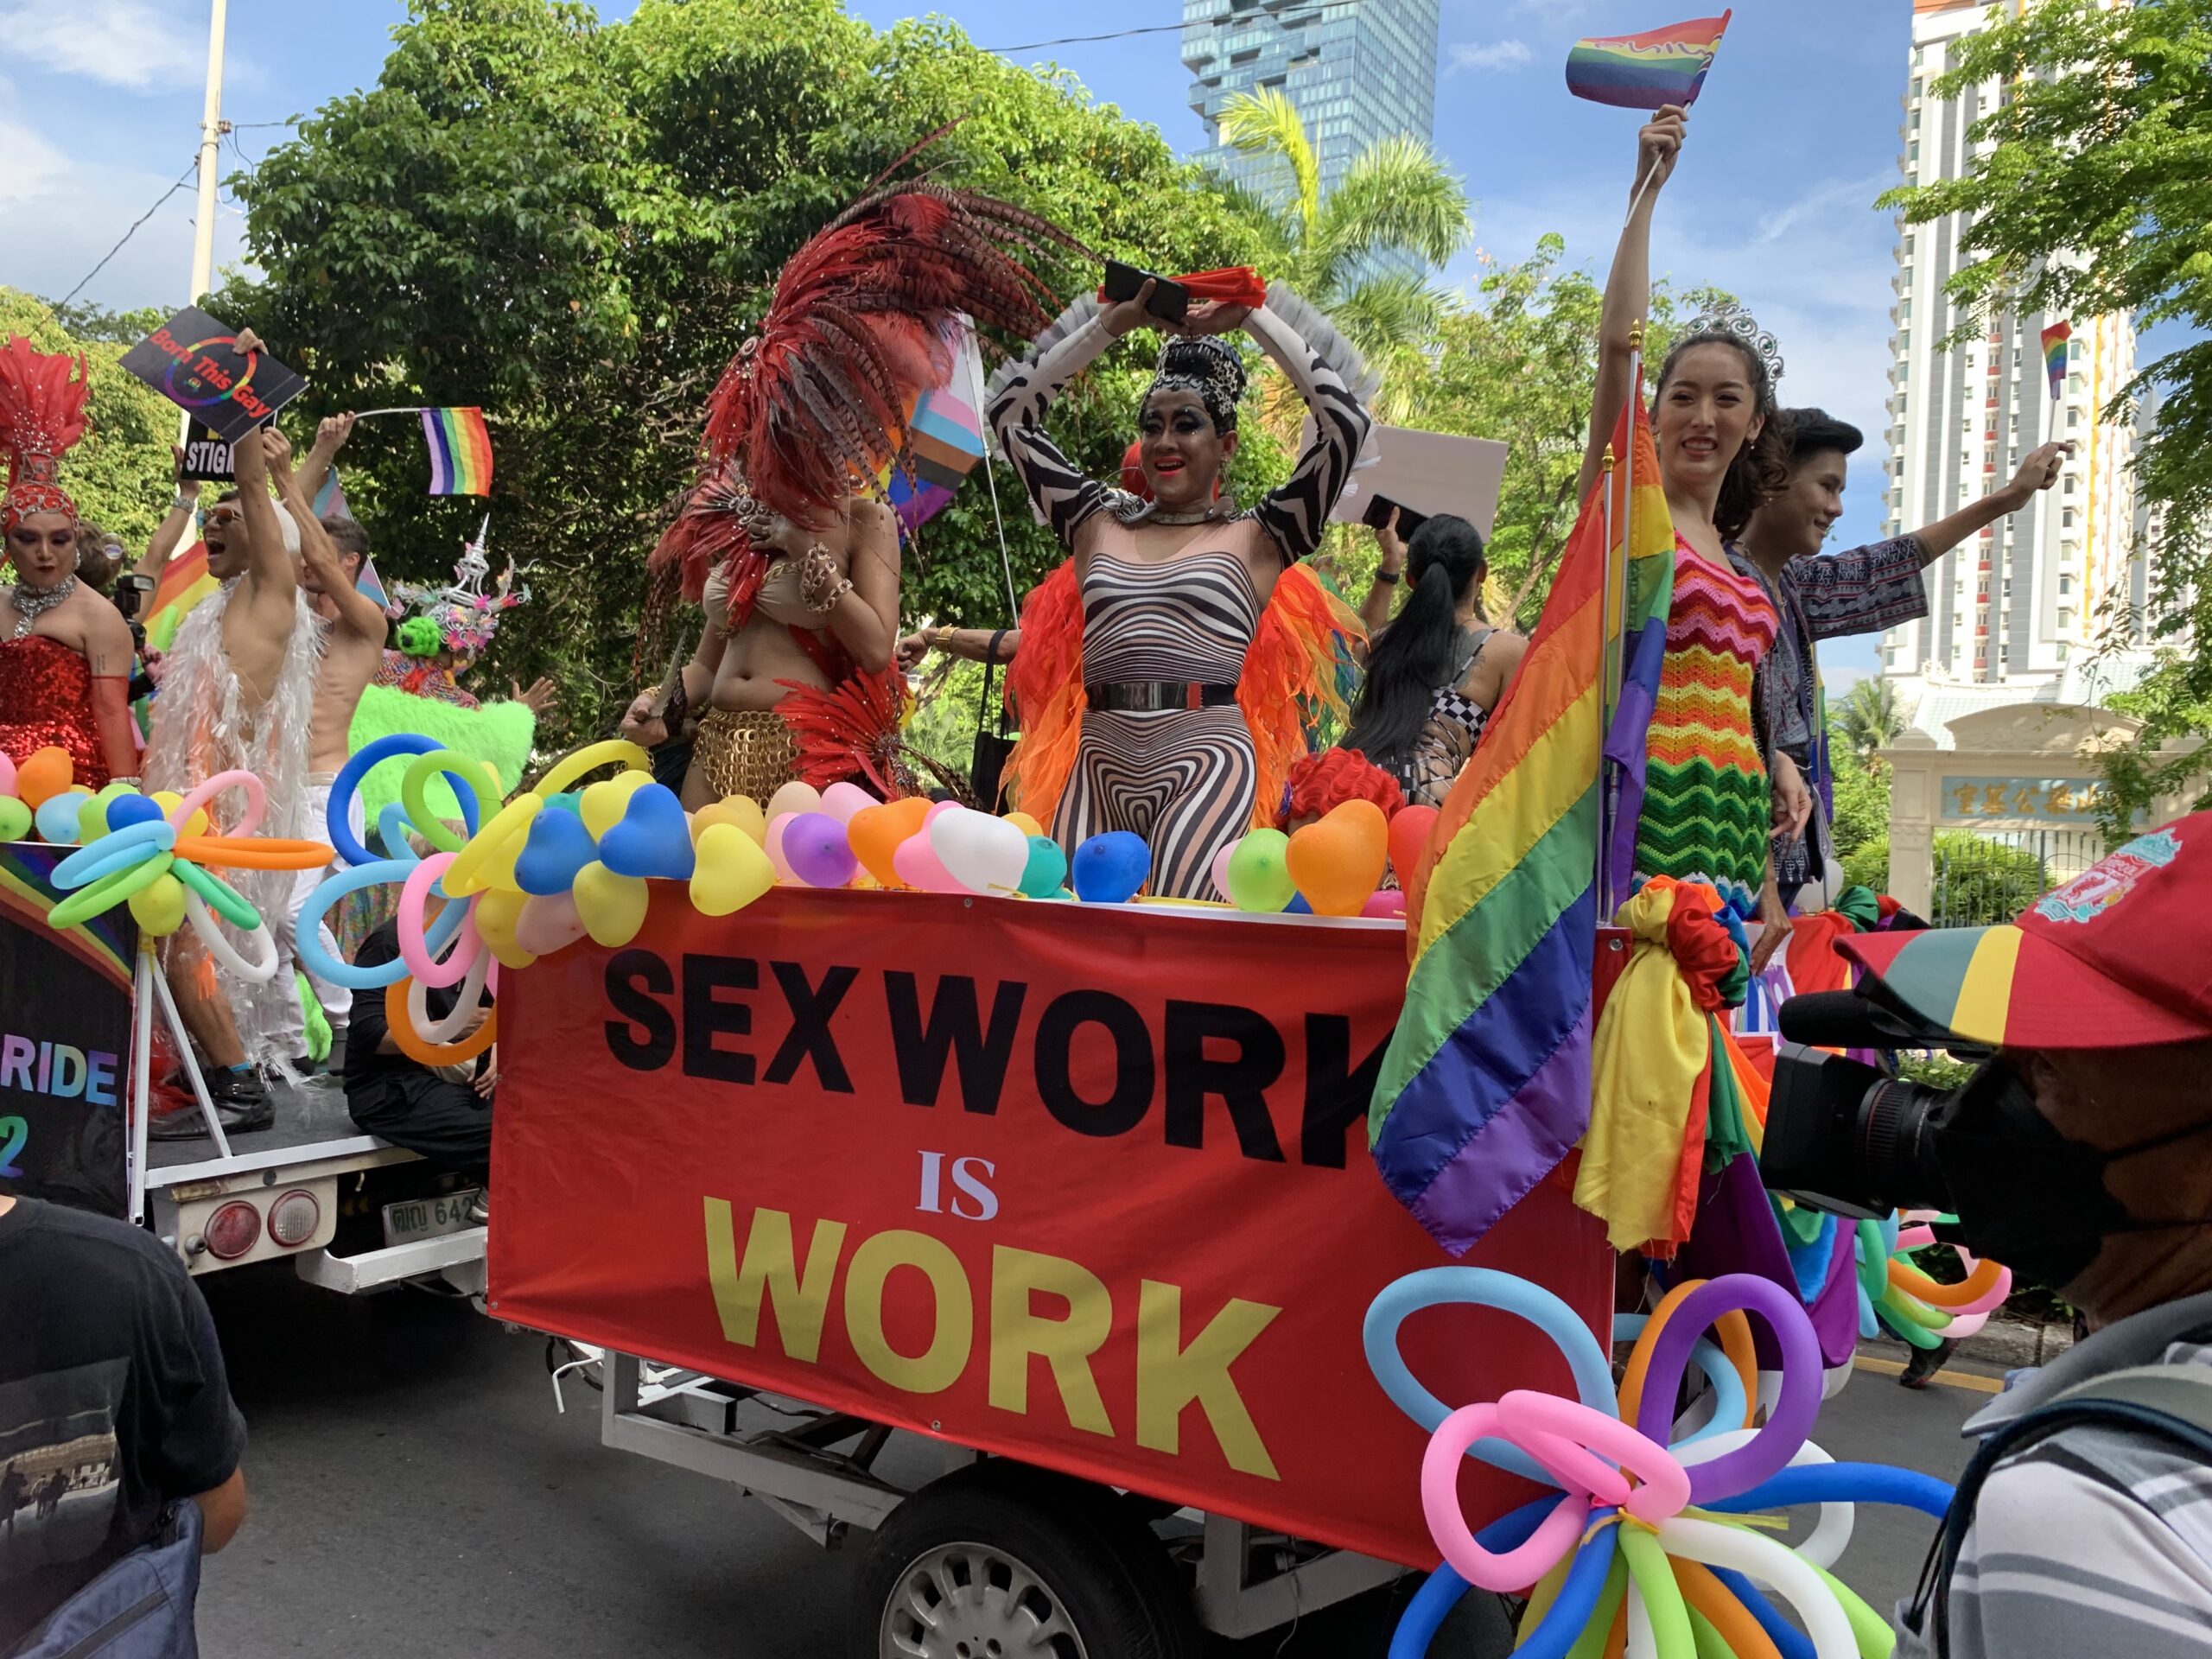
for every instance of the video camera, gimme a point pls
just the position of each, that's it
(1851, 1137)
(131, 592)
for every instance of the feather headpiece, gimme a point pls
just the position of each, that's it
(41, 414)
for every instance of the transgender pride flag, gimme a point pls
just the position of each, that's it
(1486, 1083)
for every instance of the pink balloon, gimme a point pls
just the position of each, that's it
(919, 866)
(842, 800)
(936, 807)
(1221, 871)
(1386, 901)
(1514, 1568)
(814, 845)
(414, 946)
(775, 846)
(547, 923)
(256, 803)
(7, 774)
(1574, 1441)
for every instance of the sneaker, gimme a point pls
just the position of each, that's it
(479, 1212)
(242, 1105)
(1920, 1370)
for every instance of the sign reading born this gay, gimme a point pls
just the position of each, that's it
(1084, 1185)
(194, 361)
(65, 1040)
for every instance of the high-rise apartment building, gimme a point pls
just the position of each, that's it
(1357, 70)
(2016, 602)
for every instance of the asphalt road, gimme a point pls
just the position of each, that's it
(413, 1490)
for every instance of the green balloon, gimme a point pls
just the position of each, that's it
(1259, 875)
(15, 819)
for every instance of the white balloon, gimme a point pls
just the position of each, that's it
(1775, 1565)
(1831, 1534)
(793, 797)
(982, 853)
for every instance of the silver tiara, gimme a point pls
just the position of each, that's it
(1737, 323)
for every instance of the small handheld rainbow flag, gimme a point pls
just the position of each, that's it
(461, 451)
(2054, 355)
(1644, 72)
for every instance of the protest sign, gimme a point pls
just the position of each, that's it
(194, 361)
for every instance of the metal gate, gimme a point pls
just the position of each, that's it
(1983, 877)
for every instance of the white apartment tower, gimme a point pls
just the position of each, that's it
(2013, 604)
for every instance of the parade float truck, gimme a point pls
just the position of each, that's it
(348, 1211)
(1074, 1198)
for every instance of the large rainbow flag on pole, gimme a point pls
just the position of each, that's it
(1486, 1083)
(1647, 71)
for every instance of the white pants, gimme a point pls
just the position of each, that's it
(284, 1028)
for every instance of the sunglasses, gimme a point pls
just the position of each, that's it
(217, 517)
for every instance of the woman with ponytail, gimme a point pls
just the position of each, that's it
(1437, 671)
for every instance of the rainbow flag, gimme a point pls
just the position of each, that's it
(2054, 355)
(1486, 1082)
(944, 438)
(1642, 71)
(184, 582)
(461, 451)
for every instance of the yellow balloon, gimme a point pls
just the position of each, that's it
(496, 912)
(1023, 822)
(731, 871)
(604, 802)
(742, 810)
(159, 906)
(168, 800)
(612, 907)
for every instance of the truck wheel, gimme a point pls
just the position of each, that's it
(999, 1560)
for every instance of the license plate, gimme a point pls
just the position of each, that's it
(416, 1219)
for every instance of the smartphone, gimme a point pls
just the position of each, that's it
(1171, 301)
(1377, 515)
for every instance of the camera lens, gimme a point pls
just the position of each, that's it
(1849, 1138)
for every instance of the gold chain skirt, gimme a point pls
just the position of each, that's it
(748, 752)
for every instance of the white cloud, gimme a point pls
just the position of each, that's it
(1498, 55)
(33, 166)
(125, 43)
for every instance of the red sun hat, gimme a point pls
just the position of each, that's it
(2119, 957)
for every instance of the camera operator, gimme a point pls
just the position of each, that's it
(2079, 1155)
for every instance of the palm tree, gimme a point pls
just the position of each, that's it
(1868, 719)
(1396, 196)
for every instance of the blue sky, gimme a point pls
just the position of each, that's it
(1794, 137)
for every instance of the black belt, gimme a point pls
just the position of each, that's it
(1153, 697)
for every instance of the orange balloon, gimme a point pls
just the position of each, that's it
(44, 775)
(1337, 863)
(254, 852)
(1409, 833)
(876, 831)
(401, 1024)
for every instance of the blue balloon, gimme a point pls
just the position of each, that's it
(1789, 1641)
(56, 818)
(558, 847)
(653, 838)
(1298, 906)
(118, 849)
(307, 946)
(1110, 869)
(391, 831)
(124, 810)
(1432, 1603)
(1047, 868)
(1483, 1288)
(1565, 1620)
(348, 782)
(1841, 1483)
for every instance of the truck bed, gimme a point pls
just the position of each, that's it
(311, 1124)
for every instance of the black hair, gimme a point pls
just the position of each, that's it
(1815, 431)
(1760, 470)
(1417, 651)
(346, 534)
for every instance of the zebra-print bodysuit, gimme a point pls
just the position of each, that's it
(1182, 778)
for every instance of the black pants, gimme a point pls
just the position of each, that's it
(448, 1123)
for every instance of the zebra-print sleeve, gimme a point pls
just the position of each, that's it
(1335, 383)
(1017, 396)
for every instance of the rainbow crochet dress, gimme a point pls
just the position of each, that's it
(1706, 811)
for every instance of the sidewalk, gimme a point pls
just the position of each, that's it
(2003, 1344)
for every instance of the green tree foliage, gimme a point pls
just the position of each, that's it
(1862, 805)
(118, 474)
(574, 225)
(1980, 882)
(1866, 720)
(1396, 197)
(2096, 196)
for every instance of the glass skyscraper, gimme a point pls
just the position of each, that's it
(1358, 71)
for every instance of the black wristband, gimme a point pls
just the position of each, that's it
(1391, 576)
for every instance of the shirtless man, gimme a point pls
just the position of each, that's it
(838, 584)
(237, 691)
(332, 552)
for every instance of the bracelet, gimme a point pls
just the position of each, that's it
(943, 639)
(184, 503)
(1392, 577)
(820, 585)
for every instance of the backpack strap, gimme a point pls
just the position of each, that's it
(2173, 1403)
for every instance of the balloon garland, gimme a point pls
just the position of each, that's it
(157, 854)
(1640, 1533)
(1896, 1296)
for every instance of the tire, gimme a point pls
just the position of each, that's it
(999, 1554)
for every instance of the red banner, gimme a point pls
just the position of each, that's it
(1083, 1185)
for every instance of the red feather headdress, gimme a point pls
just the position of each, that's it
(814, 407)
(41, 414)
